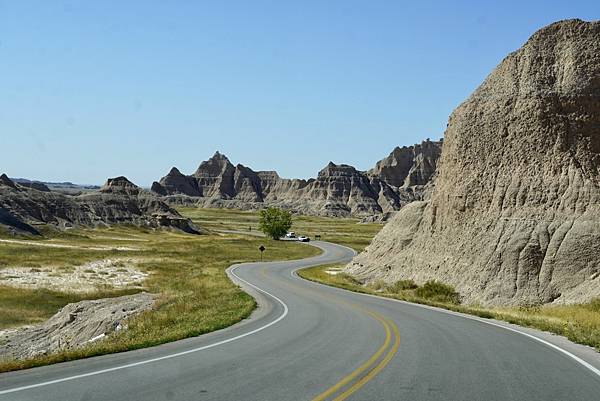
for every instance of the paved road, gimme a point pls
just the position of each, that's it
(311, 342)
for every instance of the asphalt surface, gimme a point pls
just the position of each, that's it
(308, 341)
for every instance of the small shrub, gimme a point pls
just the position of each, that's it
(348, 278)
(402, 285)
(530, 307)
(439, 292)
(378, 285)
(593, 305)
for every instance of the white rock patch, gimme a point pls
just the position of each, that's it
(117, 273)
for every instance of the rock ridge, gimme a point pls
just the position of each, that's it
(23, 208)
(338, 189)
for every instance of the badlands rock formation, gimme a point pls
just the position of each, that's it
(118, 201)
(409, 166)
(338, 190)
(515, 214)
(74, 326)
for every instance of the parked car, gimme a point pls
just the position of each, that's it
(291, 234)
(302, 238)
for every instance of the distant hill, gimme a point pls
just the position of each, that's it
(67, 186)
(26, 206)
(338, 190)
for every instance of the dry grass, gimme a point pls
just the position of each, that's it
(188, 273)
(343, 231)
(579, 323)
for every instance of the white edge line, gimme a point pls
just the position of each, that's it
(582, 362)
(147, 361)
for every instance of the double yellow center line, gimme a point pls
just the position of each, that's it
(371, 367)
(351, 383)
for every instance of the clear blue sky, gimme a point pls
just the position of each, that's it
(105, 88)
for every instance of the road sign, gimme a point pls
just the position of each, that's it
(261, 249)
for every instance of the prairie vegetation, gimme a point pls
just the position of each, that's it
(186, 271)
(343, 231)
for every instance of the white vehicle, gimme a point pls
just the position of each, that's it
(291, 234)
(302, 238)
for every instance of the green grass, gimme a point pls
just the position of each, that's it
(580, 323)
(186, 271)
(343, 231)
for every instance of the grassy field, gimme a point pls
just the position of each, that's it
(579, 323)
(344, 231)
(188, 273)
(195, 295)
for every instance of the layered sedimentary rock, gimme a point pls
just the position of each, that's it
(409, 166)
(515, 214)
(118, 201)
(177, 183)
(338, 190)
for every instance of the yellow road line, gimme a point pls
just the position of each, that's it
(376, 370)
(362, 367)
(366, 365)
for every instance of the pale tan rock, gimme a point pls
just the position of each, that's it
(515, 213)
(74, 326)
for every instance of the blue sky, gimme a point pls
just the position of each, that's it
(98, 89)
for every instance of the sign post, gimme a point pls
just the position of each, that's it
(261, 249)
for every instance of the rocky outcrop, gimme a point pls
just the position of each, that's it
(338, 190)
(118, 201)
(35, 185)
(515, 214)
(74, 326)
(64, 187)
(176, 183)
(409, 166)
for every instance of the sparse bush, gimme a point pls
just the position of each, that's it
(378, 285)
(403, 285)
(348, 278)
(439, 292)
(530, 307)
(593, 305)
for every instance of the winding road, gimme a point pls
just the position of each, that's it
(307, 341)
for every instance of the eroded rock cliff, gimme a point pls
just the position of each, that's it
(515, 213)
(118, 201)
(338, 190)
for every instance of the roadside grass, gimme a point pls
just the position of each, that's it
(580, 323)
(343, 231)
(195, 296)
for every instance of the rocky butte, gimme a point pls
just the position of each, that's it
(515, 213)
(23, 207)
(338, 190)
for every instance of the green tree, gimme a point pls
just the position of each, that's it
(275, 222)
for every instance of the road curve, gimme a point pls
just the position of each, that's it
(312, 342)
